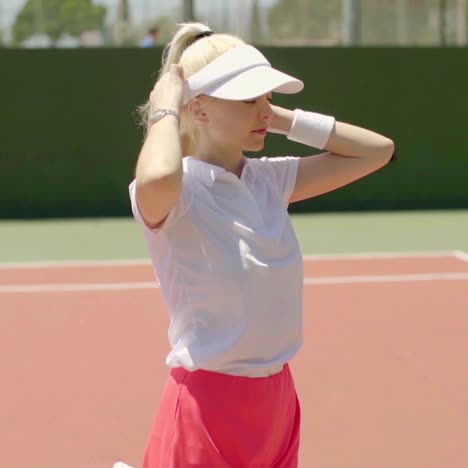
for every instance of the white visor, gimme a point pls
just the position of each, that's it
(239, 74)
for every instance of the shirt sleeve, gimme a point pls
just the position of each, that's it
(282, 171)
(183, 204)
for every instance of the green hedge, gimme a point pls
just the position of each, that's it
(69, 139)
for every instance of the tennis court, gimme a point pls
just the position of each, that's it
(381, 376)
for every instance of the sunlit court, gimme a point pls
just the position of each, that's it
(234, 234)
(380, 375)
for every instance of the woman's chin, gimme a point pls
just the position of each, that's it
(252, 147)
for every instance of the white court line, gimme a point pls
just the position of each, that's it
(143, 261)
(77, 287)
(403, 278)
(463, 256)
(74, 264)
(383, 255)
(325, 280)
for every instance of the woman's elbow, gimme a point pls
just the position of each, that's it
(385, 151)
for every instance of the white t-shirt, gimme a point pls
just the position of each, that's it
(230, 268)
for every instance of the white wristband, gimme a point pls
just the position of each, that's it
(310, 128)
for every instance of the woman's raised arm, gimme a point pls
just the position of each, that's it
(159, 171)
(352, 152)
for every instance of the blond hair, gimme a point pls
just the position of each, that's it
(192, 54)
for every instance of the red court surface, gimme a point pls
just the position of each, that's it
(382, 375)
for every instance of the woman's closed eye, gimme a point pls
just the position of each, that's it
(253, 101)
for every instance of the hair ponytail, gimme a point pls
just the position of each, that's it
(184, 37)
(193, 52)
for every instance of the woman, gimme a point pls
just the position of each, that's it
(224, 249)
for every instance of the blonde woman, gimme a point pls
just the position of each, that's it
(224, 250)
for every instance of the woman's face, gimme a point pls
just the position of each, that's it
(236, 125)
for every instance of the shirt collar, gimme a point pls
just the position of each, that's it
(207, 172)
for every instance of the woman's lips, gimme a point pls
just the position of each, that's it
(261, 131)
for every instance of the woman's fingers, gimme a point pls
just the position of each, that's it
(168, 90)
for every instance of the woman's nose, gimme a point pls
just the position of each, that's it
(266, 113)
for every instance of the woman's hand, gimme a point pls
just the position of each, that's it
(281, 121)
(168, 90)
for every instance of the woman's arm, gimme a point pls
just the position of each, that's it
(159, 171)
(352, 153)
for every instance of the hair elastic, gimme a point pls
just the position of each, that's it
(203, 34)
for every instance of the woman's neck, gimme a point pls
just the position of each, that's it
(230, 160)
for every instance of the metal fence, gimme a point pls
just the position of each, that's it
(40, 23)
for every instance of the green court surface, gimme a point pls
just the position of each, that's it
(330, 233)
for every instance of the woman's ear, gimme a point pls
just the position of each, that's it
(197, 110)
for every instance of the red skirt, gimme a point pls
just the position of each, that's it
(211, 420)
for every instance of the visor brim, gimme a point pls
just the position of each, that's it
(255, 82)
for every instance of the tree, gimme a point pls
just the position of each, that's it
(302, 21)
(56, 17)
(123, 11)
(255, 23)
(188, 10)
(382, 22)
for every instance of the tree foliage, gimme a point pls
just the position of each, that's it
(309, 21)
(56, 17)
(302, 19)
